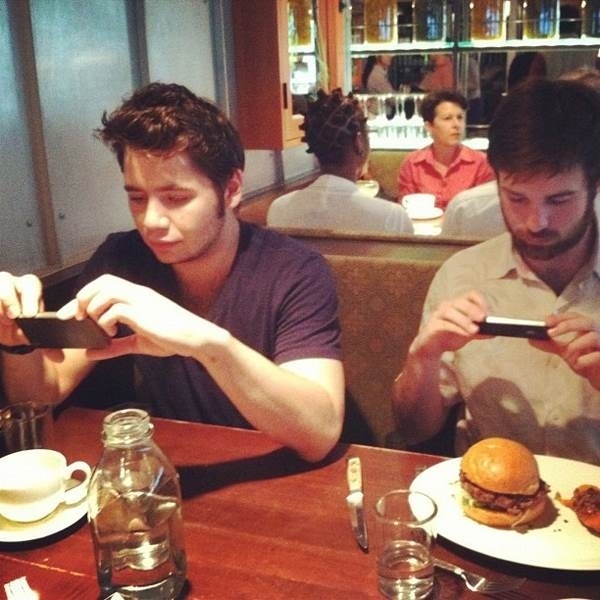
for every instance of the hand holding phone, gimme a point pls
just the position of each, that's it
(46, 330)
(522, 328)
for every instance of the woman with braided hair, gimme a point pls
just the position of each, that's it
(336, 132)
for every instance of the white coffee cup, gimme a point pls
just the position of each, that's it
(417, 204)
(34, 482)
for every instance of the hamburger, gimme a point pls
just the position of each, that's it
(501, 483)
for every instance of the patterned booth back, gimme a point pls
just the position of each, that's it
(380, 308)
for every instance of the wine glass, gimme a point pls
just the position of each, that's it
(390, 107)
(409, 106)
(401, 117)
(400, 104)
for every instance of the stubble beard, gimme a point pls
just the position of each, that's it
(549, 251)
(214, 229)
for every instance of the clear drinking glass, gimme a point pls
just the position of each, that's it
(405, 533)
(26, 425)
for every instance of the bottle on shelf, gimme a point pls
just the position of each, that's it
(590, 18)
(486, 20)
(134, 508)
(540, 19)
(430, 20)
(300, 22)
(381, 21)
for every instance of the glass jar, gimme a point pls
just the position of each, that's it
(540, 19)
(134, 508)
(430, 20)
(381, 21)
(487, 21)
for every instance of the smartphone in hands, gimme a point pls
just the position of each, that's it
(521, 328)
(46, 330)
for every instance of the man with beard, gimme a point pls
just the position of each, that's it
(545, 394)
(227, 323)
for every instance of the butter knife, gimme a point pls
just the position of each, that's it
(354, 500)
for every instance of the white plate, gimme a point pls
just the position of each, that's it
(563, 544)
(64, 516)
(422, 215)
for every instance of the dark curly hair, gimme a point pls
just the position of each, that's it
(163, 118)
(331, 125)
(431, 101)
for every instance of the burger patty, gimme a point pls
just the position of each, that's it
(513, 504)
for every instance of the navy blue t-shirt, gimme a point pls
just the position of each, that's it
(279, 299)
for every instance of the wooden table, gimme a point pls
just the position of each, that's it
(260, 523)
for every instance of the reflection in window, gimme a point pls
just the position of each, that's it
(20, 244)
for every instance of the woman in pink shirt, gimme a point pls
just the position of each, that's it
(446, 166)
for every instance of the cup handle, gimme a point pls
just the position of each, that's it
(78, 492)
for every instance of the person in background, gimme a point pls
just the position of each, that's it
(375, 74)
(440, 74)
(526, 65)
(227, 323)
(446, 166)
(336, 132)
(545, 394)
(473, 91)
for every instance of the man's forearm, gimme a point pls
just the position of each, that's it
(300, 405)
(418, 407)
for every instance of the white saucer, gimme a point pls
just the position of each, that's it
(422, 215)
(64, 516)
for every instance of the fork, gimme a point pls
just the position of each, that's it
(478, 583)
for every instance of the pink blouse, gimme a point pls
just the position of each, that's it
(418, 174)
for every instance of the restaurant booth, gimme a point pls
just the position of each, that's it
(259, 522)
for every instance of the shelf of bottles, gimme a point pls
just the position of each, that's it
(302, 48)
(381, 26)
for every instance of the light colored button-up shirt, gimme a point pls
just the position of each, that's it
(332, 202)
(510, 388)
(475, 213)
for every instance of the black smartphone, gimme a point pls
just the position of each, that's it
(46, 330)
(522, 328)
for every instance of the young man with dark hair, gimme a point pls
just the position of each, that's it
(227, 323)
(545, 394)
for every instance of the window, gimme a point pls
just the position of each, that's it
(62, 64)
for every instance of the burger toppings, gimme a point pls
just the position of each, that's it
(586, 504)
(513, 504)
